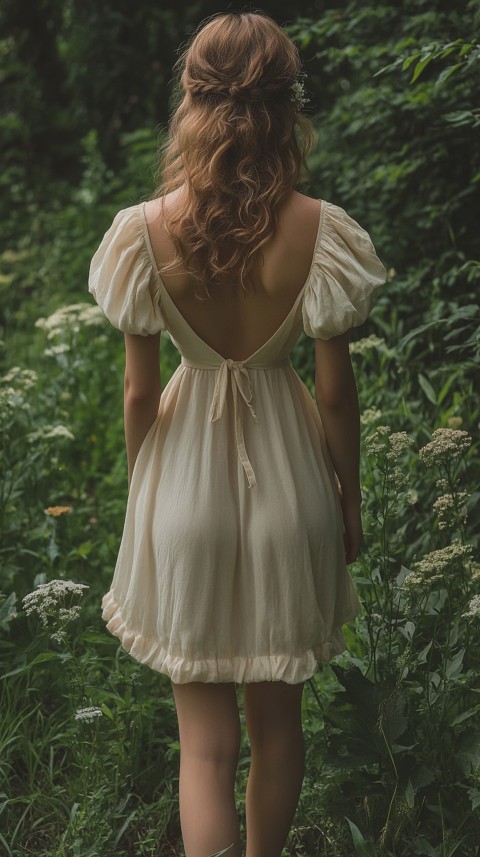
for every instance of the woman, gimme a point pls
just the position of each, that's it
(244, 497)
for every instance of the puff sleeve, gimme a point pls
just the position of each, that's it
(344, 279)
(122, 277)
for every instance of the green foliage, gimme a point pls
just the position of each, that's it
(393, 758)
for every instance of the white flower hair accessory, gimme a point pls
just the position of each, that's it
(297, 93)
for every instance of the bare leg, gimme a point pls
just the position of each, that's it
(274, 722)
(209, 727)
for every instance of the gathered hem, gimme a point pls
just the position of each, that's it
(291, 669)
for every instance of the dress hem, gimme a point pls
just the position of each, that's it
(288, 668)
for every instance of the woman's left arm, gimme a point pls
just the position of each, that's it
(142, 391)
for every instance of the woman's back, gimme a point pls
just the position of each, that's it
(233, 323)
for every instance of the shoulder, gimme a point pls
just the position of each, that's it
(302, 209)
(298, 225)
(122, 278)
(345, 276)
(154, 208)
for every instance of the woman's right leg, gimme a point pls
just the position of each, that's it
(209, 728)
(273, 714)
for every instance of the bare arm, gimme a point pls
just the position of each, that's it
(337, 400)
(142, 391)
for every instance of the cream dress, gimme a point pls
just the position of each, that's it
(232, 565)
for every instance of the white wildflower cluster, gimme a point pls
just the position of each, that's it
(473, 607)
(399, 478)
(369, 415)
(48, 603)
(55, 350)
(88, 714)
(389, 444)
(434, 565)
(362, 346)
(377, 443)
(447, 444)
(23, 379)
(9, 400)
(399, 442)
(297, 93)
(49, 432)
(475, 567)
(71, 318)
(451, 509)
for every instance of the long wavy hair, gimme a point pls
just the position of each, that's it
(236, 145)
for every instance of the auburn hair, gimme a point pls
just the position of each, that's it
(236, 145)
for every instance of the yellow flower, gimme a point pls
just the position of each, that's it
(454, 422)
(56, 511)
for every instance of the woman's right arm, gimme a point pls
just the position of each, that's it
(337, 400)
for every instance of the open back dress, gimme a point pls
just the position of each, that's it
(231, 566)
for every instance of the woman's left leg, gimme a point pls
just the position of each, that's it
(209, 728)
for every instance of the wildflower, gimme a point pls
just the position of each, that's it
(54, 350)
(369, 415)
(399, 478)
(447, 444)
(399, 442)
(91, 316)
(378, 441)
(365, 344)
(473, 607)
(431, 569)
(451, 508)
(9, 399)
(23, 378)
(391, 445)
(297, 94)
(48, 602)
(56, 511)
(10, 256)
(70, 318)
(454, 422)
(51, 433)
(88, 714)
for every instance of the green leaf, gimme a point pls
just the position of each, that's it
(420, 66)
(410, 794)
(7, 610)
(52, 550)
(106, 710)
(43, 657)
(464, 716)
(408, 61)
(474, 795)
(422, 656)
(358, 840)
(427, 388)
(453, 667)
(448, 383)
(445, 74)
